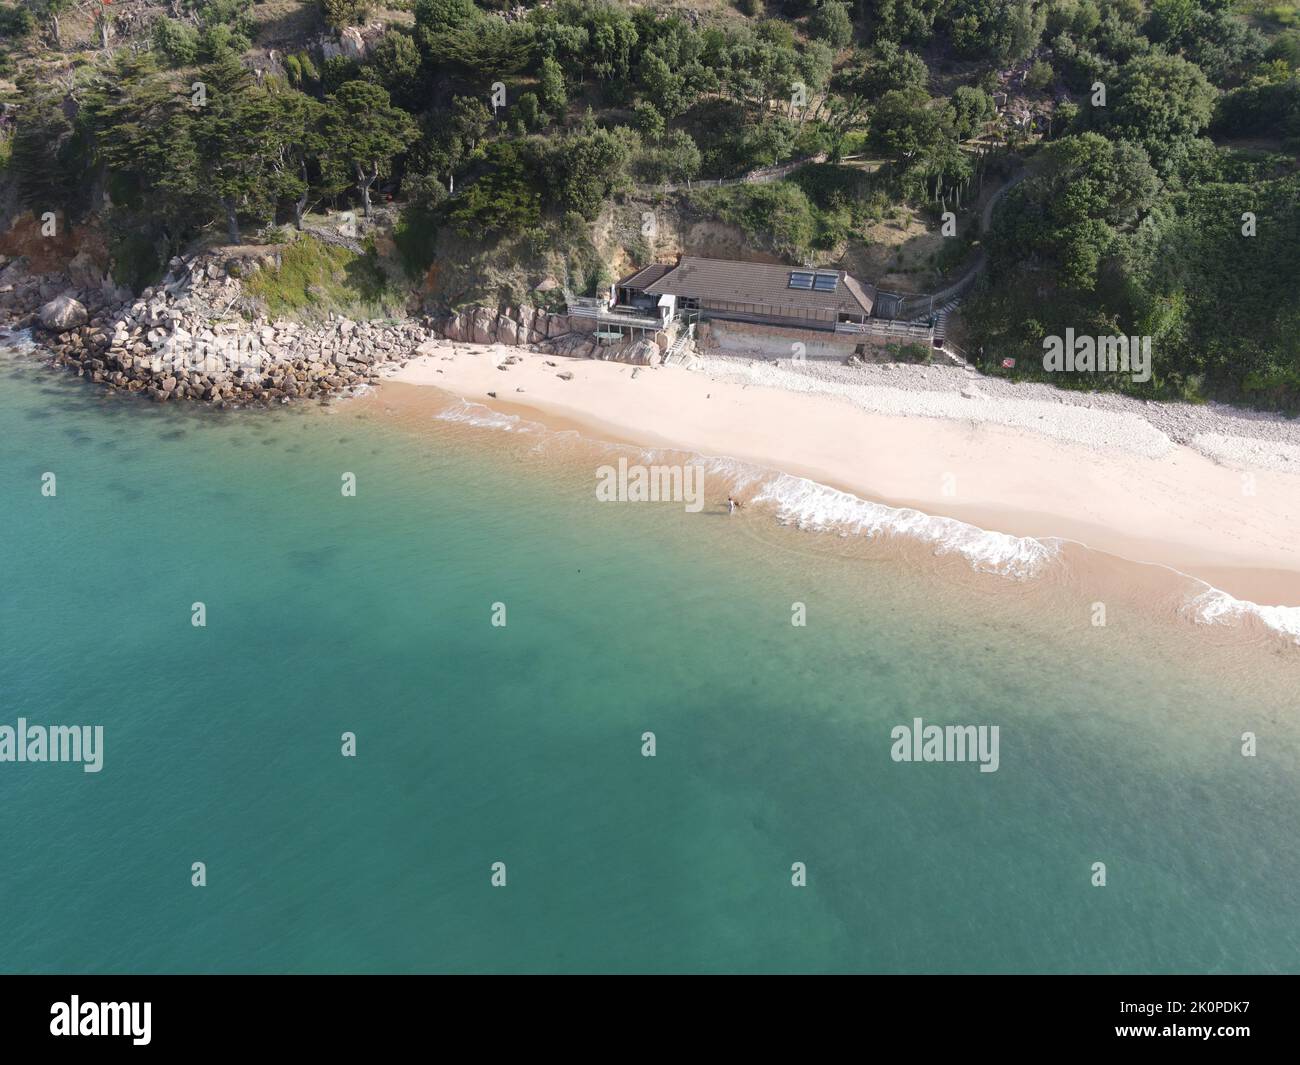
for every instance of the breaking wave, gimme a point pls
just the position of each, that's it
(807, 504)
(1215, 607)
(17, 342)
(483, 417)
(810, 505)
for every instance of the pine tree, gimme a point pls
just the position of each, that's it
(364, 131)
(235, 139)
(142, 130)
(45, 159)
(298, 125)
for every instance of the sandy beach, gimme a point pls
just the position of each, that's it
(1223, 511)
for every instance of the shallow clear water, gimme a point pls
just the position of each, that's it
(522, 743)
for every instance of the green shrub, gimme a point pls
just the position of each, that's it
(340, 13)
(15, 22)
(309, 71)
(831, 23)
(237, 14)
(136, 259)
(177, 41)
(648, 120)
(219, 38)
(529, 111)
(779, 216)
(336, 72)
(921, 353)
(314, 278)
(1040, 75)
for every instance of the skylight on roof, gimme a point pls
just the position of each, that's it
(801, 279)
(826, 282)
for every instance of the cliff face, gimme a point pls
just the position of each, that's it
(34, 247)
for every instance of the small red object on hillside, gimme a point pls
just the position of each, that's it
(1008, 364)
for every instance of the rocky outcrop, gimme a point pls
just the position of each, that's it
(196, 336)
(62, 314)
(85, 273)
(482, 326)
(352, 43)
(180, 340)
(523, 326)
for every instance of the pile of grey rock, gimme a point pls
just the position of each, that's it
(179, 341)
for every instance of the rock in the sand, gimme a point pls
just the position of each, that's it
(493, 395)
(63, 313)
(565, 375)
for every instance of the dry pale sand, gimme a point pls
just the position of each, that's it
(1238, 532)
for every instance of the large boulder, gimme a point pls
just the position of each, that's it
(62, 314)
(484, 326)
(507, 330)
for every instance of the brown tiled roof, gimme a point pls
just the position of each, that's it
(760, 283)
(646, 275)
(864, 294)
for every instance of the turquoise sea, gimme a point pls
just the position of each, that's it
(522, 743)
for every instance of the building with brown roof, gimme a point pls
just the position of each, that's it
(749, 292)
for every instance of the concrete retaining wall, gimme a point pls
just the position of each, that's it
(777, 342)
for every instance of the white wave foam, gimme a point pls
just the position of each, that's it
(809, 505)
(1215, 607)
(483, 417)
(18, 342)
